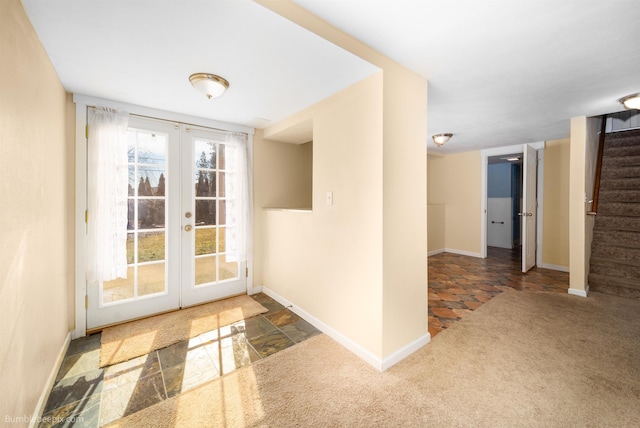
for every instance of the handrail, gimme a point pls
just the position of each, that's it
(596, 181)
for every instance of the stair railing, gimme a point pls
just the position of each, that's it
(596, 181)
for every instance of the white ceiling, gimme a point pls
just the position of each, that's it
(142, 52)
(500, 72)
(503, 72)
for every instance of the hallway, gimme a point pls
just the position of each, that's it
(461, 284)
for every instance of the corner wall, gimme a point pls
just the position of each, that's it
(36, 290)
(455, 182)
(555, 231)
(584, 142)
(403, 298)
(329, 261)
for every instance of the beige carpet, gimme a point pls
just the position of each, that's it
(125, 341)
(522, 359)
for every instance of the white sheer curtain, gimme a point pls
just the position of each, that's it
(107, 182)
(239, 235)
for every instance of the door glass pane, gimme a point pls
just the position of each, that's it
(151, 148)
(205, 241)
(222, 231)
(151, 246)
(119, 289)
(205, 212)
(226, 269)
(205, 153)
(151, 213)
(205, 270)
(221, 156)
(205, 183)
(221, 178)
(222, 218)
(151, 279)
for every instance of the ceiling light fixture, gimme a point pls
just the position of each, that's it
(511, 159)
(209, 84)
(440, 139)
(631, 101)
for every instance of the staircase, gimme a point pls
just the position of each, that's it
(615, 250)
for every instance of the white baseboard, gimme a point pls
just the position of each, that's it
(377, 362)
(554, 267)
(405, 351)
(434, 252)
(463, 253)
(581, 293)
(254, 290)
(44, 395)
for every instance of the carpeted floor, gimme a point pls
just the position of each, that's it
(133, 339)
(522, 359)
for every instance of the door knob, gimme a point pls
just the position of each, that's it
(188, 228)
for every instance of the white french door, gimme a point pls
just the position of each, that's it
(208, 271)
(176, 225)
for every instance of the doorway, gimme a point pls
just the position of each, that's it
(181, 219)
(504, 201)
(512, 201)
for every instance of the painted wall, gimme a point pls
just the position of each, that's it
(499, 180)
(36, 292)
(555, 209)
(436, 222)
(403, 127)
(455, 181)
(329, 261)
(583, 146)
(289, 169)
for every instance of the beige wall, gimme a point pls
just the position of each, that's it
(404, 208)
(329, 261)
(35, 282)
(402, 126)
(455, 181)
(555, 221)
(289, 170)
(436, 223)
(583, 140)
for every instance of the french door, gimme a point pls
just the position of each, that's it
(177, 225)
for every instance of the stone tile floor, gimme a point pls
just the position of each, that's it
(94, 396)
(461, 284)
(86, 395)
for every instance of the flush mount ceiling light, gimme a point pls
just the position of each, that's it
(209, 84)
(440, 139)
(631, 101)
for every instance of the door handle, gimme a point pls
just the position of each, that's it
(497, 222)
(188, 228)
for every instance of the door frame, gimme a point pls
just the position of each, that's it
(508, 150)
(82, 102)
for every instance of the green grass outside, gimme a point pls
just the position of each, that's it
(151, 245)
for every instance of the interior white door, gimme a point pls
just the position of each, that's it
(529, 207)
(153, 230)
(208, 272)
